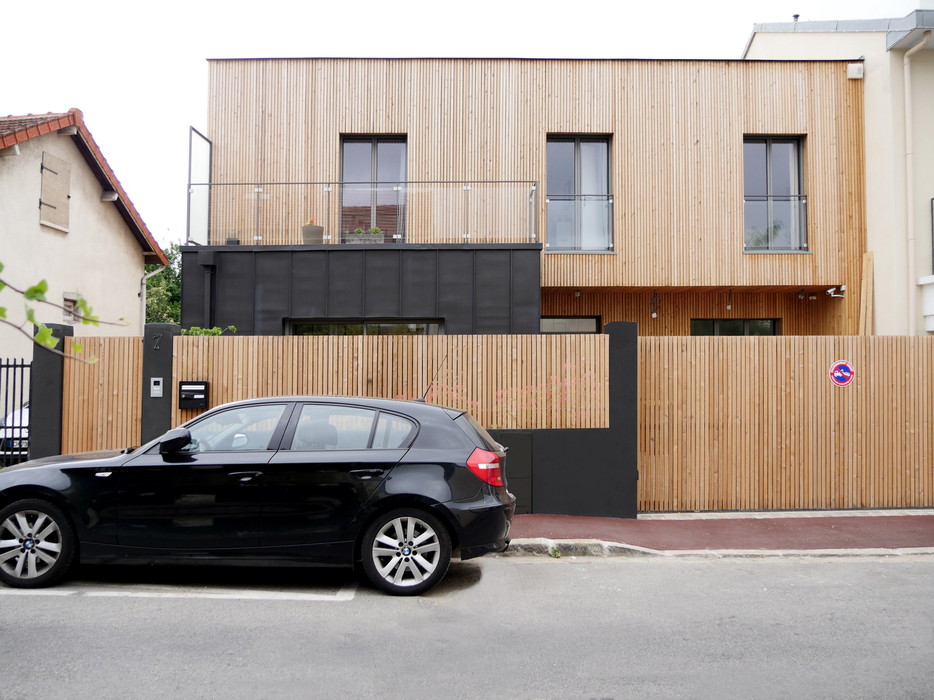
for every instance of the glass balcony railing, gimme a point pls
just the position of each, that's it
(580, 223)
(776, 224)
(322, 213)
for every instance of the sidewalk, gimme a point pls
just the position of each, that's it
(785, 533)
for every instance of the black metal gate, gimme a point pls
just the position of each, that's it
(14, 411)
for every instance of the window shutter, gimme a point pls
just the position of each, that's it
(54, 198)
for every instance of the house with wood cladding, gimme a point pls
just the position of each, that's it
(896, 65)
(474, 196)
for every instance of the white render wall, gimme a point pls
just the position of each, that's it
(884, 95)
(99, 258)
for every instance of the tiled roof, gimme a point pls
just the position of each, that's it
(17, 129)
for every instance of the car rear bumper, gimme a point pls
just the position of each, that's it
(484, 525)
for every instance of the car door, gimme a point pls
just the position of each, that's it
(333, 460)
(208, 495)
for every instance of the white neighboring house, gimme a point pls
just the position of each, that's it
(889, 55)
(65, 218)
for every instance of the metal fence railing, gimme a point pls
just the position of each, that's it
(14, 411)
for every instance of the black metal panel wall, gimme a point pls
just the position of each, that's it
(45, 392)
(480, 289)
(584, 472)
(158, 382)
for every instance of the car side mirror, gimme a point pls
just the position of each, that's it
(174, 440)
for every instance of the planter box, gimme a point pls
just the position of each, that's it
(352, 238)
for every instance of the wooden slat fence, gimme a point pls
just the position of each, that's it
(101, 406)
(519, 381)
(755, 423)
(725, 423)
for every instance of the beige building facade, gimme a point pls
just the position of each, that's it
(894, 59)
(66, 219)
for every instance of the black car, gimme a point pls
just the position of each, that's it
(396, 486)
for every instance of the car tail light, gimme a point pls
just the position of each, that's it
(486, 466)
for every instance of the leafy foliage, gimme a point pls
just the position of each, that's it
(34, 296)
(217, 330)
(164, 291)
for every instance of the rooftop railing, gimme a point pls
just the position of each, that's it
(340, 213)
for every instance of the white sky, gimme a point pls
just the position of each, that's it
(138, 70)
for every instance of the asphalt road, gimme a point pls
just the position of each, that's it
(506, 627)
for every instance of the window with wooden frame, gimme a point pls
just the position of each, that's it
(775, 204)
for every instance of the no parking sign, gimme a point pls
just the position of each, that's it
(842, 373)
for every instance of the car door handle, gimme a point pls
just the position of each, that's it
(245, 477)
(365, 474)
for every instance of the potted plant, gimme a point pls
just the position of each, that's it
(360, 235)
(312, 234)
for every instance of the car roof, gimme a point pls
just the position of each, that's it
(413, 407)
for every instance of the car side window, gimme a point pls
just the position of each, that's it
(238, 429)
(331, 427)
(392, 431)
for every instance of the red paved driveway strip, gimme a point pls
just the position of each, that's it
(841, 532)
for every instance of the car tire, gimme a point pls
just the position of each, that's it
(406, 552)
(37, 544)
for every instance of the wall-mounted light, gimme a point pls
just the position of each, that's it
(109, 196)
(801, 295)
(729, 301)
(653, 305)
(577, 293)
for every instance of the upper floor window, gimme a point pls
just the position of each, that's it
(373, 194)
(775, 210)
(580, 206)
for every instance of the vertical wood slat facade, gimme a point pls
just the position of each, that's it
(725, 423)
(101, 402)
(676, 131)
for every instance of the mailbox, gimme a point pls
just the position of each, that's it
(192, 394)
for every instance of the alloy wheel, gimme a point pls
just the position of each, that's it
(30, 544)
(409, 552)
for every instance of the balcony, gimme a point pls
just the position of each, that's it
(344, 213)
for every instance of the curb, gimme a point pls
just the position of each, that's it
(544, 547)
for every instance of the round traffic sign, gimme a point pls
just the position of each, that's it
(842, 373)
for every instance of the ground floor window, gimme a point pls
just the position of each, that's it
(366, 327)
(734, 326)
(570, 324)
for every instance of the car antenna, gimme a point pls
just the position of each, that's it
(432, 382)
